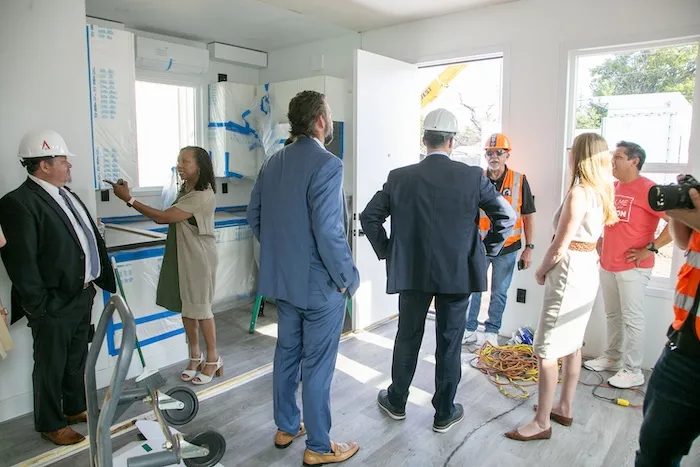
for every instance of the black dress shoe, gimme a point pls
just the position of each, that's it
(385, 405)
(443, 426)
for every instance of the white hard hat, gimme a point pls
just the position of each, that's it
(42, 143)
(440, 120)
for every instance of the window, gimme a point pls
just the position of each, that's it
(643, 95)
(165, 122)
(472, 91)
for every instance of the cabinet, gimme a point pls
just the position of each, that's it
(334, 88)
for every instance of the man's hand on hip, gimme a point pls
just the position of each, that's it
(637, 255)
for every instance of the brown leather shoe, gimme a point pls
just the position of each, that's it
(284, 439)
(75, 419)
(560, 419)
(64, 436)
(515, 434)
(340, 453)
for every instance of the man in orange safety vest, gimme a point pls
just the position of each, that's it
(514, 187)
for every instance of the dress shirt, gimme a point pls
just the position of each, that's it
(52, 190)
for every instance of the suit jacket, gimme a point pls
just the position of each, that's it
(296, 211)
(435, 245)
(43, 255)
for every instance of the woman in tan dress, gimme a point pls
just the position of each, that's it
(187, 275)
(569, 272)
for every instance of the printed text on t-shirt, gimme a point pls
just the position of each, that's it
(623, 206)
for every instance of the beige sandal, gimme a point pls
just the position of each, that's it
(206, 379)
(189, 375)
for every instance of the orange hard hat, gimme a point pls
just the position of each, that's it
(498, 141)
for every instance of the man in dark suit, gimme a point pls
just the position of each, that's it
(435, 251)
(296, 211)
(53, 256)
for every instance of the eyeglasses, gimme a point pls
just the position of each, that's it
(497, 152)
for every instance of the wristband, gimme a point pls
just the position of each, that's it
(130, 203)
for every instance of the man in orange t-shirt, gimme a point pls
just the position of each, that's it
(626, 261)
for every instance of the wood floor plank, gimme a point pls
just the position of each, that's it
(603, 434)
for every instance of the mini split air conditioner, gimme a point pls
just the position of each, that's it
(158, 55)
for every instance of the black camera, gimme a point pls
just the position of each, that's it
(665, 197)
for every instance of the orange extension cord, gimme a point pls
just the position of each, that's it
(516, 366)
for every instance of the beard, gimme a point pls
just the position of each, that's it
(328, 139)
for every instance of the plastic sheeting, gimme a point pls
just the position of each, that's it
(233, 139)
(156, 327)
(242, 132)
(236, 275)
(113, 116)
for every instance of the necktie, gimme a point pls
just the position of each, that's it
(92, 244)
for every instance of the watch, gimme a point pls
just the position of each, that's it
(651, 247)
(130, 203)
(530, 246)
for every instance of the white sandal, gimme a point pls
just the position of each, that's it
(189, 375)
(206, 379)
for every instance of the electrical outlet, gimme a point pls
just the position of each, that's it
(104, 195)
(520, 296)
(224, 187)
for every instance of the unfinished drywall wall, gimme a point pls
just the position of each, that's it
(43, 84)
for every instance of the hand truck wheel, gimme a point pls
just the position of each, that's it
(214, 442)
(187, 413)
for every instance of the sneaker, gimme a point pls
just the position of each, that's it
(443, 426)
(469, 337)
(491, 338)
(385, 405)
(602, 364)
(625, 379)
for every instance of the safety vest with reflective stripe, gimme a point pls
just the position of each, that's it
(512, 191)
(687, 286)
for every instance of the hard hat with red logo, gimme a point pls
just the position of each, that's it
(498, 141)
(42, 143)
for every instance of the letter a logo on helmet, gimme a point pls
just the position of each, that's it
(45, 146)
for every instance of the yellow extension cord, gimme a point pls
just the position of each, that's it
(516, 366)
(508, 365)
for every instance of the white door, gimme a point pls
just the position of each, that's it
(386, 126)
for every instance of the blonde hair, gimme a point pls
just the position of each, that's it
(592, 168)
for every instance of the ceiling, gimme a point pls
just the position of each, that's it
(269, 24)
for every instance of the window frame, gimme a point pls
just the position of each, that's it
(657, 287)
(200, 107)
(490, 54)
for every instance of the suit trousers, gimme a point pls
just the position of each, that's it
(307, 343)
(60, 353)
(450, 317)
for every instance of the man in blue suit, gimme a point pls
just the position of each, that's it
(296, 211)
(435, 251)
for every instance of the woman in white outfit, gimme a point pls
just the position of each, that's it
(569, 272)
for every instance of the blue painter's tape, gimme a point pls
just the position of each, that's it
(92, 125)
(146, 253)
(162, 337)
(132, 219)
(231, 222)
(113, 327)
(170, 65)
(148, 318)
